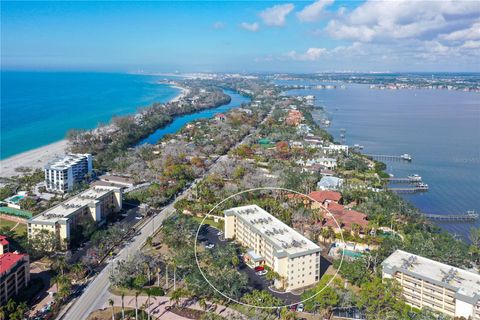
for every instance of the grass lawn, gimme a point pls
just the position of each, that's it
(209, 221)
(20, 230)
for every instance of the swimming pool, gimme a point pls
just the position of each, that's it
(352, 254)
(15, 199)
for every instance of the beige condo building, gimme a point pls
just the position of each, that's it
(438, 286)
(94, 204)
(271, 242)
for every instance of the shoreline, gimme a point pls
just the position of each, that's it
(37, 158)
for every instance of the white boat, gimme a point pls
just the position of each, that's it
(414, 177)
(406, 156)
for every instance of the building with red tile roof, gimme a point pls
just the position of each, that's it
(294, 118)
(326, 195)
(14, 274)
(346, 218)
(4, 244)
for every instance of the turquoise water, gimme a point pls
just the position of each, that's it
(439, 128)
(38, 108)
(179, 122)
(352, 254)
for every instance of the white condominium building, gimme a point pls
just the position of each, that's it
(61, 174)
(271, 242)
(93, 204)
(428, 283)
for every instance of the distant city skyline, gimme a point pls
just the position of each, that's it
(217, 36)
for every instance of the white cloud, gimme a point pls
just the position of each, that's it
(470, 44)
(218, 25)
(312, 54)
(252, 27)
(401, 19)
(470, 33)
(313, 12)
(276, 15)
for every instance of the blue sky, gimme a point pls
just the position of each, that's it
(311, 36)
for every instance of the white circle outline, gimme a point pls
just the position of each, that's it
(268, 307)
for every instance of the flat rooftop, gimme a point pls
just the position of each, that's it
(68, 207)
(66, 161)
(282, 237)
(464, 282)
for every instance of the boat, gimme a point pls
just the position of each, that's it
(414, 177)
(422, 186)
(406, 156)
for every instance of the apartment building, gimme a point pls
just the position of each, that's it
(14, 273)
(94, 204)
(271, 242)
(429, 283)
(62, 173)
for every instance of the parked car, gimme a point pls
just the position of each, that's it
(210, 246)
(300, 307)
(259, 268)
(293, 307)
(219, 233)
(261, 272)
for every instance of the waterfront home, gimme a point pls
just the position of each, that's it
(346, 220)
(427, 283)
(330, 183)
(324, 197)
(294, 118)
(220, 117)
(336, 148)
(329, 163)
(303, 129)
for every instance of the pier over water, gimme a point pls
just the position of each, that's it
(469, 216)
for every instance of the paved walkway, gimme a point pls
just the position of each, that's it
(159, 305)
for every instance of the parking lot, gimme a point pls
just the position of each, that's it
(209, 235)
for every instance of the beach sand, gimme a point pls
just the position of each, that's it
(35, 158)
(183, 93)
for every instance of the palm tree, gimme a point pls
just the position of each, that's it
(78, 270)
(10, 305)
(137, 293)
(203, 304)
(123, 306)
(110, 302)
(175, 296)
(60, 263)
(2, 313)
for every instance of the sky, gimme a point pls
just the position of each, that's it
(243, 36)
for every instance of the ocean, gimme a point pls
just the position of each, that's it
(439, 128)
(38, 108)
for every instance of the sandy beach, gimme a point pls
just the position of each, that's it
(35, 158)
(183, 92)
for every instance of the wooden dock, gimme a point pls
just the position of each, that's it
(414, 189)
(403, 180)
(464, 217)
(403, 157)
